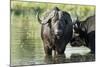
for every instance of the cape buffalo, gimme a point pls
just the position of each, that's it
(56, 31)
(86, 31)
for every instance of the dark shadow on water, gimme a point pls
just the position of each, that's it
(82, 58)
(73, 58)
(59, 59)
(48, 59)
(56, 59)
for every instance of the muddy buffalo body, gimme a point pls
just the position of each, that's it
(86, 31)
(56, 31)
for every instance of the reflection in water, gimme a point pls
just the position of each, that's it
(74, 54)
(55, 59)
(38, 57)
(76, 50)
(82, 58)
(48, 59)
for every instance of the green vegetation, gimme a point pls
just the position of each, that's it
(75, 10)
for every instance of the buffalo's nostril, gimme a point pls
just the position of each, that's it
(58, 32)
(58, 37)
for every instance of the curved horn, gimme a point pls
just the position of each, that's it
(44, 21)
(38, 18)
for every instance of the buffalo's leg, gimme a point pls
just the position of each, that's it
(92, 47)
(91, 44)
(48, 51)
(60, 50)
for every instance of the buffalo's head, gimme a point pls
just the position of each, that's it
(79, 30)
(79, 26)
(58, 21)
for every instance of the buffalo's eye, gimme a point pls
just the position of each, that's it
(49, 21)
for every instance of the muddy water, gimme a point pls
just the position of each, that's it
(35, 56)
